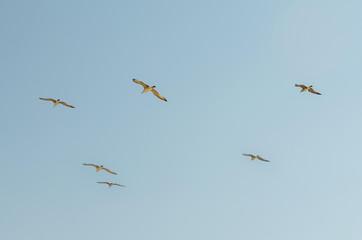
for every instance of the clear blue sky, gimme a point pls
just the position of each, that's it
(228, 70)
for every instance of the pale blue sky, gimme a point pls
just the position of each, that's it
(228, 70)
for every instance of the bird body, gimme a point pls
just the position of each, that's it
(98, 168)
(147, 89)
(253, 157)
(56, 102)
(305, 88)
(111, 184)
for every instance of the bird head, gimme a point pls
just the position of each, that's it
(153, 86)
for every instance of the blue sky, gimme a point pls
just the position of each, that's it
(227, 69)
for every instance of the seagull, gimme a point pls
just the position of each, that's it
(310, 89)
(99, 168)
(56, 102)
(256, 157)
(111, 184)
(148, 88)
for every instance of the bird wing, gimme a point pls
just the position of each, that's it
(89, 164)
(312, 91)
(144, 85)
(118, 184)
(249, 155)
(262, 159)
(109, 171)
(157, 94)
(104, 183)
(48, 99)
(302, 86)
(66, 104)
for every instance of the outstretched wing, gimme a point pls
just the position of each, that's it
(249, 155)
(48, 99)
(109, 171)
(104, 183)
(118, 184)
(89, 164)
(312, 91)
(144, 85)
(262, 159)
(157, 94)
(301, 85)
(66, 104)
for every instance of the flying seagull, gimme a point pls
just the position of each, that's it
(111, 184)
(98, 168)
(310, 89)
(256, 157)
(56, 102)
(148, 88)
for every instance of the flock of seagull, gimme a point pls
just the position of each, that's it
(98, 168)
(146, 89)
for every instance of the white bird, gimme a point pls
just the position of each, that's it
(253, 157)
(148, 88)
(305, 88)
(111, 184)
(98, 168)
(56, 102)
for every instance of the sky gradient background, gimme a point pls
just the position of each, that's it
(227, 69)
